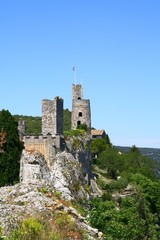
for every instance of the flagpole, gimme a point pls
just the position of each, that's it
(74, 69)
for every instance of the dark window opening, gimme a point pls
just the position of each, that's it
(79, 98)
(80, 114)
(78, 123)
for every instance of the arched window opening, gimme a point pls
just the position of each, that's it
(79, 98)
(80, 114)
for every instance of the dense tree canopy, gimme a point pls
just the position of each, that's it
(130, 217)
(33, 124)
(10, 158)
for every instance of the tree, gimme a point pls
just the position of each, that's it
(111, 161)
(10, 158)
(100, 144)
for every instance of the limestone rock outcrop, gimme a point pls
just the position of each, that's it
(67, 177)
(33, 166)
(66, 174)
(37, 198)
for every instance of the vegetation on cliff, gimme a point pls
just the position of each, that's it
(130, 205)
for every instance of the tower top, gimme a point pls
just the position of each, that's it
(77, 91)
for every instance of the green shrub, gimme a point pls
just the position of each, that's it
(117, 185)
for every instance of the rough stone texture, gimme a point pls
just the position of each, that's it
(25, 200)
(66, 174)
(46, 145)
(66, 177)
(33, 166)
(80, 148)
(81, 113)
(52, 116)
(77, 91)
(21, 129)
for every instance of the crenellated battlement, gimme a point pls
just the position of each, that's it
(47, 145)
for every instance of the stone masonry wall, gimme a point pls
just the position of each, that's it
(45, 145)
(81, 113)
(48, 113)
(52, 116)
(77, 91)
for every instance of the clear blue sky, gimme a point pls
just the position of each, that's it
(115, 45)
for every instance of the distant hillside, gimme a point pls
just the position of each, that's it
(33, 124)
(153, 153)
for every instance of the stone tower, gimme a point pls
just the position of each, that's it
(21, 129)
(52, 116)
(81, 113)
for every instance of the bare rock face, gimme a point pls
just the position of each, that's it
(33, 166)
(80, 148)
(67, 177)
(65, 174)
(43, 190)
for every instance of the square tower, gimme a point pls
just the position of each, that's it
(52, 116)
(81, 113)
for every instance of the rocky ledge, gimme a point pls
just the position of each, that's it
(37, 198)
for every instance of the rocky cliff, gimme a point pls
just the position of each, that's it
(47, 191)
(38, 200)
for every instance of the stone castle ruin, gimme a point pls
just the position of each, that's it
(51, 139)
(58, 162)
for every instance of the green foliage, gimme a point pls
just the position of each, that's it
(99, 145)
(1, 234)
(122, 164)
(134, 217)
(101, 182)
(9, 160)
(83, 126)
(124, 222)
(33, 124)
(60, 227)
(117, 185)
(67, 120)
(74, 133)
(35, 228)
(134, 162)
(76, 143)
(111, 161)
(150, 191)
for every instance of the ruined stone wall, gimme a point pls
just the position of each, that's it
(52, 116)
(48, 113)
(21, 129)
(48, 145)
(43, 144)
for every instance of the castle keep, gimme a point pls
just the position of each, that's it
(52, 116)
(51, 140)
(81, 113)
